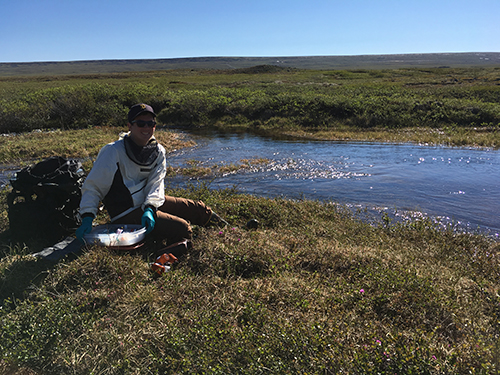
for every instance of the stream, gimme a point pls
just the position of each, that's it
(453, 186)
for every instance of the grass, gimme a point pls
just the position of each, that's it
(312, 290)
(27, 148)
(447, 136)
(196, 169)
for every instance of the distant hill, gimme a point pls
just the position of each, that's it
(454, 60)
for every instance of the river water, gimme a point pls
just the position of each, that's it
(454, 186)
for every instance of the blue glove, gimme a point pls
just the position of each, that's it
(85, 228)
(148, 219)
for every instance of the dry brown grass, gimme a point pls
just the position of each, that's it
(84, 143)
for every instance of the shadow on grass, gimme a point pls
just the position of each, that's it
(22, 275)
(20, 271)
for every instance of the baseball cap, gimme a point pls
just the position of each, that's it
(139, 109)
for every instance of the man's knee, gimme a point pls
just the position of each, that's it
(172, 230)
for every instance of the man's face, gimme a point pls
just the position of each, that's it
(141, 136)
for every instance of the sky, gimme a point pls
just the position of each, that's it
(71, 30)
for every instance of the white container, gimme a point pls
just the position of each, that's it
(116, 235)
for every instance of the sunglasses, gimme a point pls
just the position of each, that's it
(142, 123)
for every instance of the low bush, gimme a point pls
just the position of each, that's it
(390, 99)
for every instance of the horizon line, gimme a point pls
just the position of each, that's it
(243, 57)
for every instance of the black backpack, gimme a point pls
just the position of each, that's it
(44, 200)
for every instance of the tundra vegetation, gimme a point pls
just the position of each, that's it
(442, 105)
(313, 289)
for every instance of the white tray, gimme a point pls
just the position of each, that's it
(116, 235)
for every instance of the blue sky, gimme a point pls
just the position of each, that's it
(68, 30)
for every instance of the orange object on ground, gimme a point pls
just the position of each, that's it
(163, 263)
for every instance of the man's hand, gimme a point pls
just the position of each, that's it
(148, 219)
(85, 228)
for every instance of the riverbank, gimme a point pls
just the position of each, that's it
(24, 148)
(447, 136)
(311, 290)
(424, 136)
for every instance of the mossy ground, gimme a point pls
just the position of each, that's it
(311, 290)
